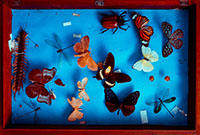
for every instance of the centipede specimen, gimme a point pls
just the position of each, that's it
(20, 62)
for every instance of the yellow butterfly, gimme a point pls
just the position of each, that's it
(145, 64)
(76, 114)
(81, 86)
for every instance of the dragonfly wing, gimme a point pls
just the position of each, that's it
(169, 100)
(157, 108)
(58, 41)
(60, 61)
(165, 94)
(49, 42)
(67, 58)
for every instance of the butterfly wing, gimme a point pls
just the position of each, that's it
(167, 50)
(147, 66)
(140, 21)
(35, 76)
(112, 102)
(92, 65)
(177, 34)
(32, 90)
(128, 105)
(138, 65)
(44, 96)
(75, 115)
(167, 29)
(121, 77)
(84, 45)
(109, 64)
(144, 65)
(75, 103)
(146, 32)
(59, 82)
(82, 61)
(84, 95)
(176, 43)
(48, 74)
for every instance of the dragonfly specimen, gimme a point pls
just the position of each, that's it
(58, 45)
(161, 102)
(34, 110)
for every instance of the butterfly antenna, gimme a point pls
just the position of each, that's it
(166, 108)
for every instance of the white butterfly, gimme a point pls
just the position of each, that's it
(81, 86)
(145, 64)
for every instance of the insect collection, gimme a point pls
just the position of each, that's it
(99, 67)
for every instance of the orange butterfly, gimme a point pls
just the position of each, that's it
(85, 58)
(145, 31)
(81, 86)
(76, 114)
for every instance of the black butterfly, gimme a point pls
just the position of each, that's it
(107, 73)
(127, 106)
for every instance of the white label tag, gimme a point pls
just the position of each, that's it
(143, 115)
(67, 24)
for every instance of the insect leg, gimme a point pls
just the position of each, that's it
(115, 30)
(124, 28)
(123, 13)
(104, 31)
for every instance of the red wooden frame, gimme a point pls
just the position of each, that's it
(5, 67)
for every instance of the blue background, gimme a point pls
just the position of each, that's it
(126, 48)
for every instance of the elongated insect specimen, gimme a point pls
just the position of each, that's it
(58, 46)
(20, 62)
(161, 102)
(34, 110)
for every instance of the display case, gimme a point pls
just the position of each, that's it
(100, 67)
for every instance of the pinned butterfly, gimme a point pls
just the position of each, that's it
(37, 88)
(145, 32)
(127, 106)
(76, 114)
(109, 75)
(81, 86)
(84, 54)
(173, 39)
(145, 64)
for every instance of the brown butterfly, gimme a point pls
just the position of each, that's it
(107, 72)
(76, 114)
(81, 86)
(85, 58)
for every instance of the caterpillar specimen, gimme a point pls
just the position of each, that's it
(20, 62)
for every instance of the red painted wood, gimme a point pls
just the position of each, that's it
(5, 93)
(198, 69)
(7, 18)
